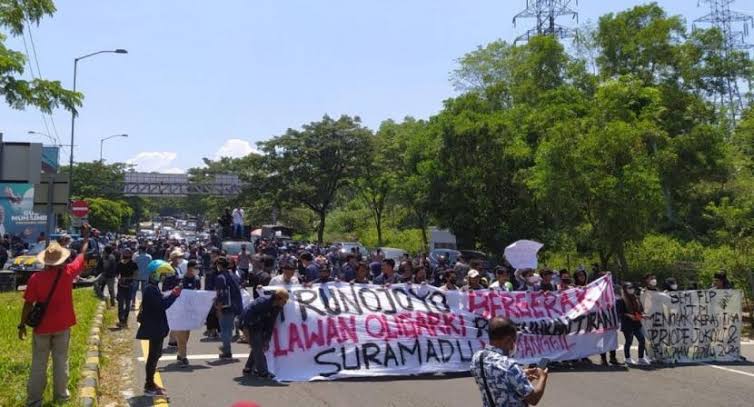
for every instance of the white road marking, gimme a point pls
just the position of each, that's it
(729, 370)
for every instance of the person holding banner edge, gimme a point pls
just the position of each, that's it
(500, 378)
(258, 320)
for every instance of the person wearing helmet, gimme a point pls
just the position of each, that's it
(126, 271)
(154, 322)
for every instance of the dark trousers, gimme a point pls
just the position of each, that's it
(612, 356)
(629, 335)
(124, 302)
(257, 360)
(155, 352)
(212, 322)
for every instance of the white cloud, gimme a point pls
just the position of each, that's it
(155, 161)
(235, 148)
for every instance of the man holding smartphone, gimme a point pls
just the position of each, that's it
(500, 378)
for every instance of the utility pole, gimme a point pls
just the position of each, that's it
(546, 12)
(734, 28)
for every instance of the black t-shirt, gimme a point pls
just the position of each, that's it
(127, 273)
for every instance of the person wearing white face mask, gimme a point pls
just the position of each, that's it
(670, 284)
(631, 313)
(500, 378)
(650, 282)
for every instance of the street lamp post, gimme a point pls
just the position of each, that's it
(39, 133)
(102, 141)
(73, 114)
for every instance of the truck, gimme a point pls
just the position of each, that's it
(441, 239)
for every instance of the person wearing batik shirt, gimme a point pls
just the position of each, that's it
(501, 380)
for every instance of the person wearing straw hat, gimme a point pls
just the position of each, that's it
(53, 287)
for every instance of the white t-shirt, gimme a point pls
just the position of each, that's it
(238, 216)
(280, 280)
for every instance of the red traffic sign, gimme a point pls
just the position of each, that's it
(80, 208)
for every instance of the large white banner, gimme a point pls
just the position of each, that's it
(190, 309)
(693, 326)
(340, 330)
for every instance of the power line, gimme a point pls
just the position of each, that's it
(34, 76)
(39, 74)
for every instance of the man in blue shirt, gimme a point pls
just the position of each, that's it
(258, 319)
(141, 259)
(311, 270)
(501, 380)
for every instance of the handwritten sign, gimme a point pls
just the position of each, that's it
(339, 330)
(190, 309)
(693, 326)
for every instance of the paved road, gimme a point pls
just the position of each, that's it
(209, 382)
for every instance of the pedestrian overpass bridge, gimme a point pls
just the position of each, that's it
(178, 185)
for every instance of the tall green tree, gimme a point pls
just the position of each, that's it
(598, 171)
(15, 17)
(310, 166)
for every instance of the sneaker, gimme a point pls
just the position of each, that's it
(226, 356)
(173, 344)
(154, 391)
(645, 361)
(615, 362)
(631, 361)
(183, 362)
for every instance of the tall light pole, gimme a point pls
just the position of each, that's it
(102, 141)
(73, 114)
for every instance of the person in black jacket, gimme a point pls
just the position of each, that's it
(154, 328)
(631, 313)
(258, 319)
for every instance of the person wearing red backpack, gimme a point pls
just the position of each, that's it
(48, 308)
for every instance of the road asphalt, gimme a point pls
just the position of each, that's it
(210, 382)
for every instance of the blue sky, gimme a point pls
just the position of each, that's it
(204, 79)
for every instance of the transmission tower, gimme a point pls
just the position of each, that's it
(546, 12)
(734, 27)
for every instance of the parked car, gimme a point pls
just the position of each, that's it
(450, 255)
(350, 247)
(25, 264)
(472, 255)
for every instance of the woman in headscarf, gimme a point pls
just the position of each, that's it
(154, 322)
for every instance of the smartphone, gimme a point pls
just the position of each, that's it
(543, 363)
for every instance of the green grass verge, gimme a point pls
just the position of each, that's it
(15, 355)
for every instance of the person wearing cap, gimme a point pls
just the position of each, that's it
(258, 320)
(126, 271)
(228, 304)
(287, 274)
(473, 279)
(190, 281)
(52, 335)
(178, 262)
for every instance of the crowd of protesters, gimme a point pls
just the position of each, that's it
(124, 268)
